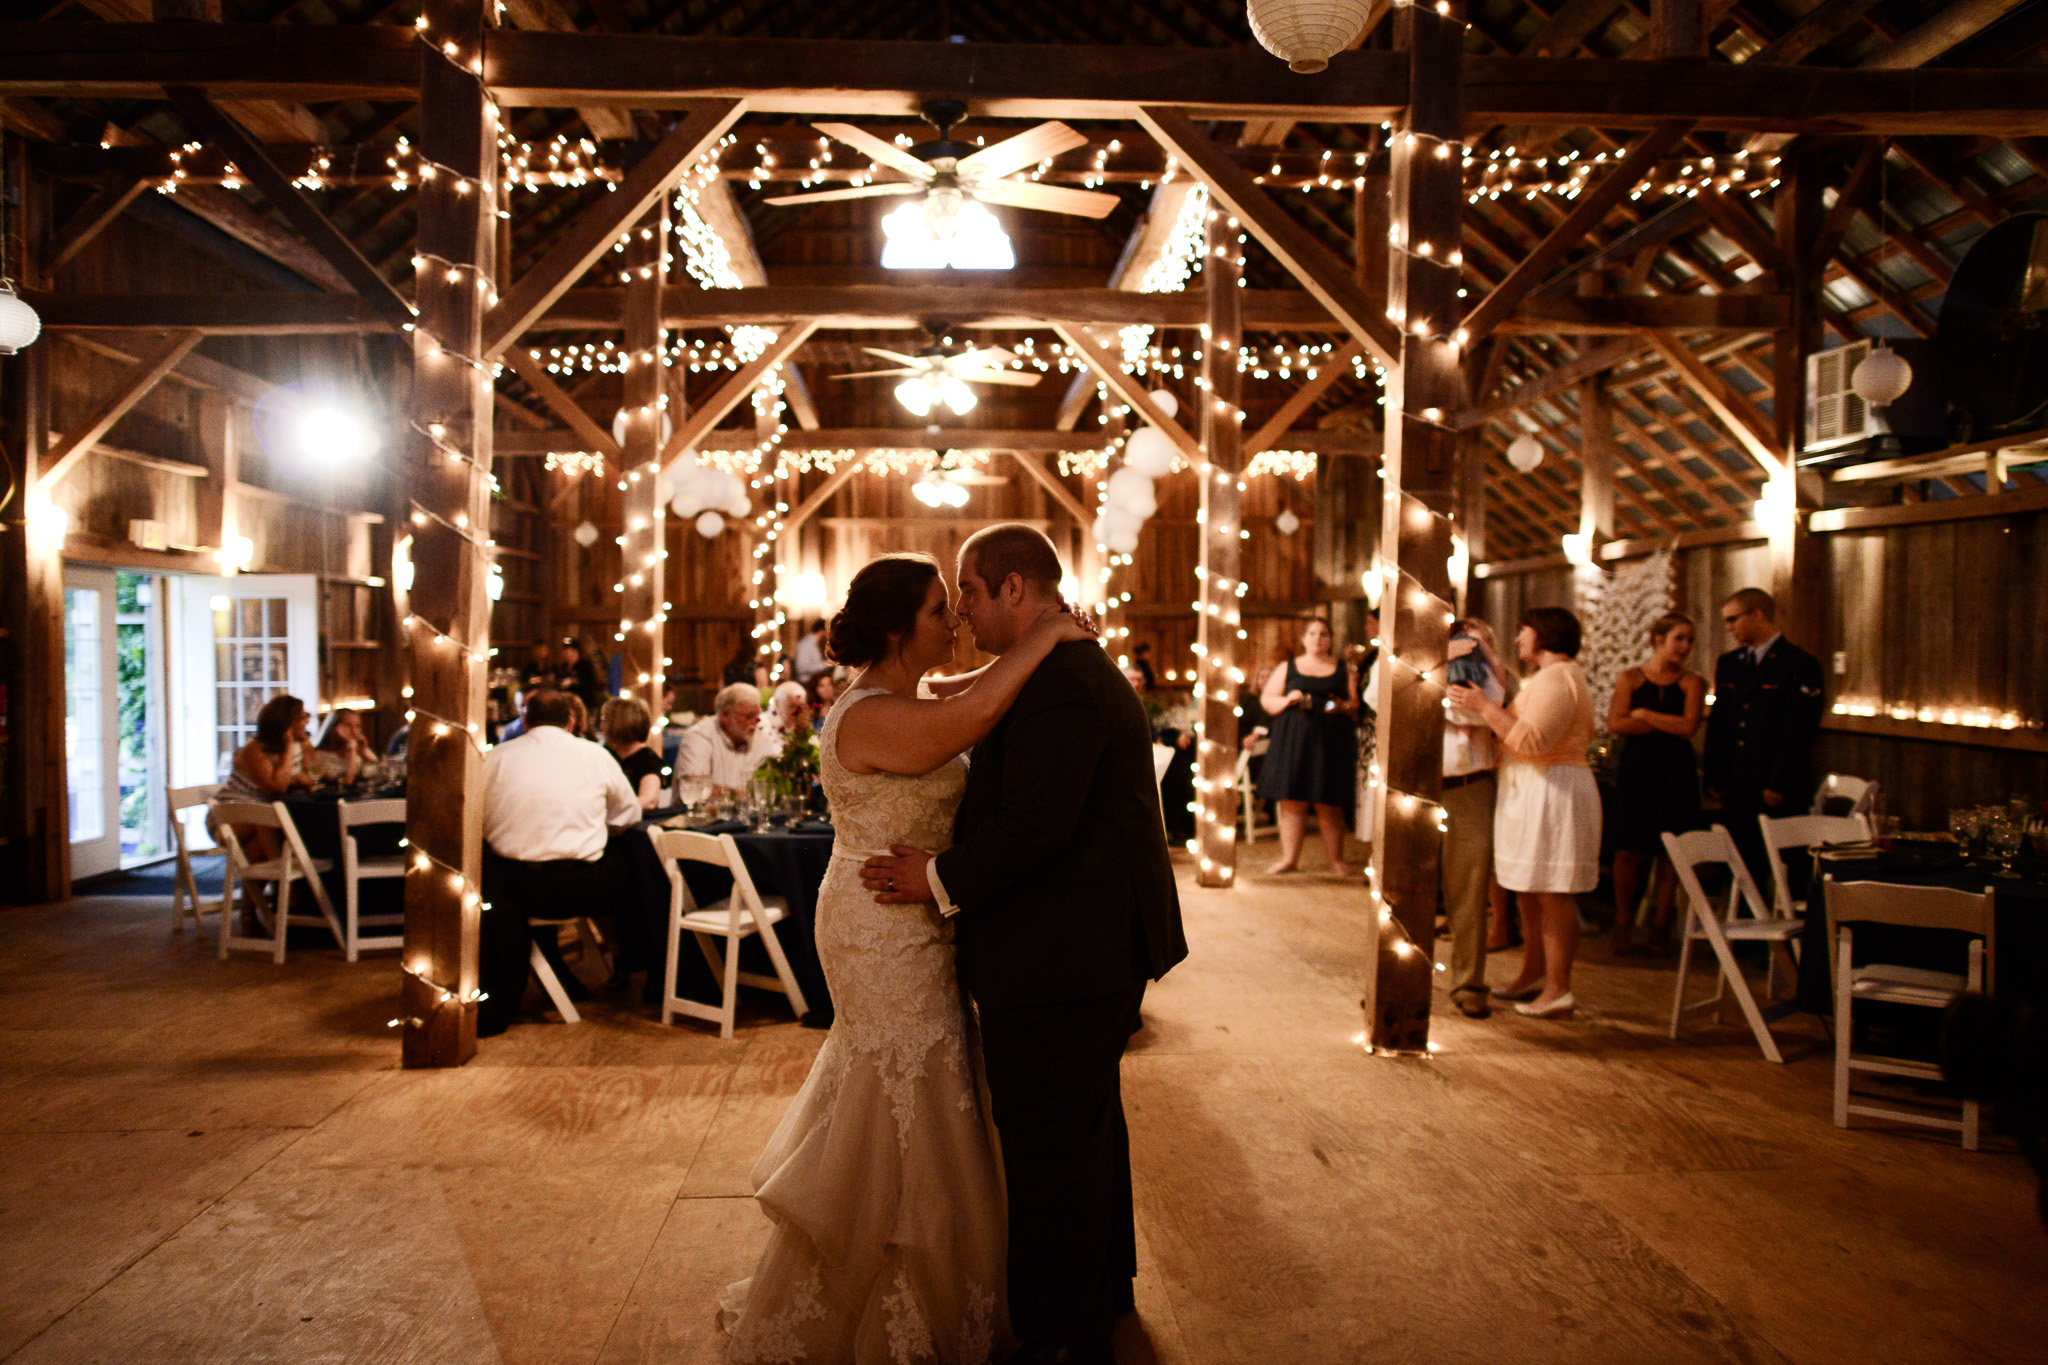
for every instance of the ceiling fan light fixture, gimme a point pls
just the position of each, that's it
(958, 396)
(915, 396)
(945, 230)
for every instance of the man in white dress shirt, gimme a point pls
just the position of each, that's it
(550, 802)
(729, 744)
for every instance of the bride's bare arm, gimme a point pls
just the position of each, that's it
(956, 683)
(912, 735)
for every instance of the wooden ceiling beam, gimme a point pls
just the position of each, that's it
(905, 307)
(129, 390)
(115, 193)
(700, 420)
(559, 402)
(597, 228)
(1331, 369)
(1566, 314)
(1131, 390)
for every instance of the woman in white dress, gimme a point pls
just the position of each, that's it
(882, 1180)
(1546, 820)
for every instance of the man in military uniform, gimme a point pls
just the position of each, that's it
(1760, 734)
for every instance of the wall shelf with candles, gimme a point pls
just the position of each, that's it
(2022, 737)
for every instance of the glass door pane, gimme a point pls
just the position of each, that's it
(90, 727)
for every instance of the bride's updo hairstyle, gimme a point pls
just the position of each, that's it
(882, 601)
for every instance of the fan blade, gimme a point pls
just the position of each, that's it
(875, 374)
(876, 150)
(991, 358)
(858, 192)
(974, 478)
(1026, 149)
(1011, 377)
(897, 356)
(1049, 198)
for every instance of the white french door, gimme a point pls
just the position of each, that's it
(91, 722)
(234, 643)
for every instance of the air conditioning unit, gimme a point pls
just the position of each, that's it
(1835, 416)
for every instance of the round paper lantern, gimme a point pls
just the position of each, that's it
(19, 325)
(1150, 451)
(1117, 530)
(709, 525)
(1307, 33)
(620, 419)
(586, 535)
(1165, 401)
(1287, 523)
(700, 487)
(739, 508)
(1131, 492)
(1525, 452)
(1882, 377)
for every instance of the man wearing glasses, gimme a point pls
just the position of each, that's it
(1760, 733)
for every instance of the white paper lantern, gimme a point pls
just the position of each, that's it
(739, 508)
(1525, 452)
(1287, 523)
(19, 325)
(1117, 530)
(620, 419)
(709, 525)
(586, 535)
(1150, 451)
(1165, 401)
(1307, 33)
(700, 488)
(1882, 377)
(1131, 492)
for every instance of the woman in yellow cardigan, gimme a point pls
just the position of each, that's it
(1547, 818)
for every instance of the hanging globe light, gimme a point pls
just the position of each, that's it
(1525, 452)
(1307, 33)
(1882, 377)
(19, 325)
(585, 534)
(709, 524)
(1287, 523)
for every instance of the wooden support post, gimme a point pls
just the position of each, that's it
(215, 495)
(1217, 628)
(1679, 30)
(1596, 461)
(447, 630)
(35, 856)
(1797, 568)
(1421, 468)
(643, 557)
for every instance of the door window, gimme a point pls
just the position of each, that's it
(252, 664)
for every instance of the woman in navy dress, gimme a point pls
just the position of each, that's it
(1313, 760)
(1656, 708)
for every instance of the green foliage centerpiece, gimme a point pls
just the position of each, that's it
(789, 774)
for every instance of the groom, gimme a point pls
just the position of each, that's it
(1066, 907)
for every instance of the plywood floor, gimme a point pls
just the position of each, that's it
(221, 1162)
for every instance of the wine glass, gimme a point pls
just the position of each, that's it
(2002, 841)
(1962, 823)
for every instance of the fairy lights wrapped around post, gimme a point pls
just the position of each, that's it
(448, 610)
(1416, 545)
(1217, 628)
(643, 553)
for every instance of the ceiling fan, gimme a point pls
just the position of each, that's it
(946, 483)
(936, 376)
(950, 225)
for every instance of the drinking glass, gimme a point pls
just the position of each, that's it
(1962, 822)
(2002, 841)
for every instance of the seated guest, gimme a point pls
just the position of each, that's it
(729, 744)
(791, 709)
(579, 716)
(549, 804)
(626, 725)
(810, 653)
(272, 764)
(824, 690)
(344, 752)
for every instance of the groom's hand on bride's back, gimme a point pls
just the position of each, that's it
(899, 878)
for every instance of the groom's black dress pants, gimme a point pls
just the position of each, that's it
(1053, 1074)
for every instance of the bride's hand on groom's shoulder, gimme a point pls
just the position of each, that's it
(1074, 623)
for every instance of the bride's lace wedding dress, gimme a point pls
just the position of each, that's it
(881, 1181)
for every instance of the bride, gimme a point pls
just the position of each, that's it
(881, 1180)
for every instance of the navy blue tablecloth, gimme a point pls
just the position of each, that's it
(790, 863)
(2020, 950)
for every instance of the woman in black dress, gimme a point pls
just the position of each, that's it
(1313, 759)
(1657, 708)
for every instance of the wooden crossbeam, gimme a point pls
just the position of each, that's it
(598, 227)
(1130, 390)
(1654, 231)
(1571, 24)
(1735, 220)
(1854, 188)
(563, 406)
(137, 381)
(1335, 366)
(1814, 30)
(1550, 383)
(699, 422)
(1586, 213)
(115, 193)
(1322, 274)
(210, 122)
(1036, 471)
(819, 496)
(1552, 314)
(1751, 430)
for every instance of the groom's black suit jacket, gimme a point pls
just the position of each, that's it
(1059, 864)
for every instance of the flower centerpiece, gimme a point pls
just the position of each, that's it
(789, 774)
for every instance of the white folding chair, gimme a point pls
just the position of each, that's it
(356, 868)
(1917, 907)
(1247, 799)
(1860, 792)
(1719, 928)
(292, 864)
(1803, 831)
(742, 914)
(592, 946)
(184, 886)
